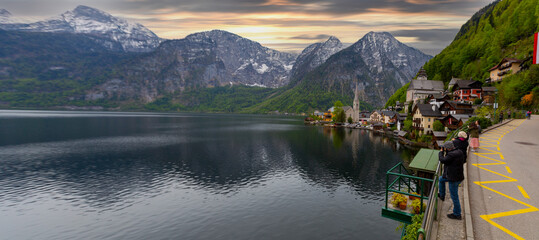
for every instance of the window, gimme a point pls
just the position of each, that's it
(429, 126)
(429, 119)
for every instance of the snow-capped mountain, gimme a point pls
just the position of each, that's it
(205, 59)
(378, 62)
(378, 47)
(133, 37)
(315, 54)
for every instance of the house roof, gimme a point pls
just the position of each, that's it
(512, 60)
(425, 160)
(466, 84)
(346, 108)
(454, 81)
(439, 134)
(428, 110)
(402, 133)
(402, 116)
(426, 85)
(463, 117)
(489, 89)
(389, 113)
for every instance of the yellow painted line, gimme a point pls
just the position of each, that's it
(489, 218)
(524, 193)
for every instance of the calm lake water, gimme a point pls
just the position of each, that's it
(95, 175)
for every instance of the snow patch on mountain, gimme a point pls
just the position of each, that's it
(133, 37)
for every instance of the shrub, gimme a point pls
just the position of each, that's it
(425, 138)
(477, 101)
(350, 120)
(484, 122)
(411, 230)
(408, 125)
(438, 126)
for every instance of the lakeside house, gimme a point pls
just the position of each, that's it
(376, 117)
(506, 67)
(388, 116)
(424, 115)
(467, 90)
(399, 119)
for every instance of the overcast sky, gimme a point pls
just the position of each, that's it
(286, 25)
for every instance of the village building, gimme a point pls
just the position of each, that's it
(364, 117)
(506, 67)
(424, 115)
(399, 119)
(349, 112)
(453, 82)
(438, 138)
(451, 122)
(376, 117)
(467, 90)
(421, 88)
(438, 99)
(462, 117)
(388, 117)
(454, 107)
(489, 95)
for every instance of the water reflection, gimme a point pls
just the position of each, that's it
(195, 173)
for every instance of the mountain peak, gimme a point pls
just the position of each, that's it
(82, 11)
(4, 13)
(378, 35)
(333, 39)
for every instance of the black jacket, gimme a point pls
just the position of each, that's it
(453, 161)
(462, 145)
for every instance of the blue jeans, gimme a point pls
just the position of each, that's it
(453, 191)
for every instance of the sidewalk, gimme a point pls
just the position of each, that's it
(450, 229)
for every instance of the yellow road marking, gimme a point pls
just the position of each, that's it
(489, 217)
(524, 193)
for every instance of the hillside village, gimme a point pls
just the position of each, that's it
(431, 111)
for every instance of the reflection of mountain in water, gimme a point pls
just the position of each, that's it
(104, 161)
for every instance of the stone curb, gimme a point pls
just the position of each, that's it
(467, 212)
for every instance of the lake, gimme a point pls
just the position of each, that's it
(110, 175)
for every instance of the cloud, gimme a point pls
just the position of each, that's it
(311, 37)
(430, 35)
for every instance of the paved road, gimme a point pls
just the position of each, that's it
(503, 180)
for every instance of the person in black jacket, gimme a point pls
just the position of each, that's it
(453, 174)
(461, 142)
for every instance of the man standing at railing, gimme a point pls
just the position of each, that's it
(453, 174)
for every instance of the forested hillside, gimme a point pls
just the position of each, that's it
(501, 29)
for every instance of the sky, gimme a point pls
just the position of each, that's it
(285, 25)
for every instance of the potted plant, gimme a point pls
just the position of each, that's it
(412, 198)
(416, 206)
(399, 201)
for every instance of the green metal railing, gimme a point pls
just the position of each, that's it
(400, 180)
(432, 208)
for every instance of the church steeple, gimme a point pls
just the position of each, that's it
(422, 74)
(356, 104)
